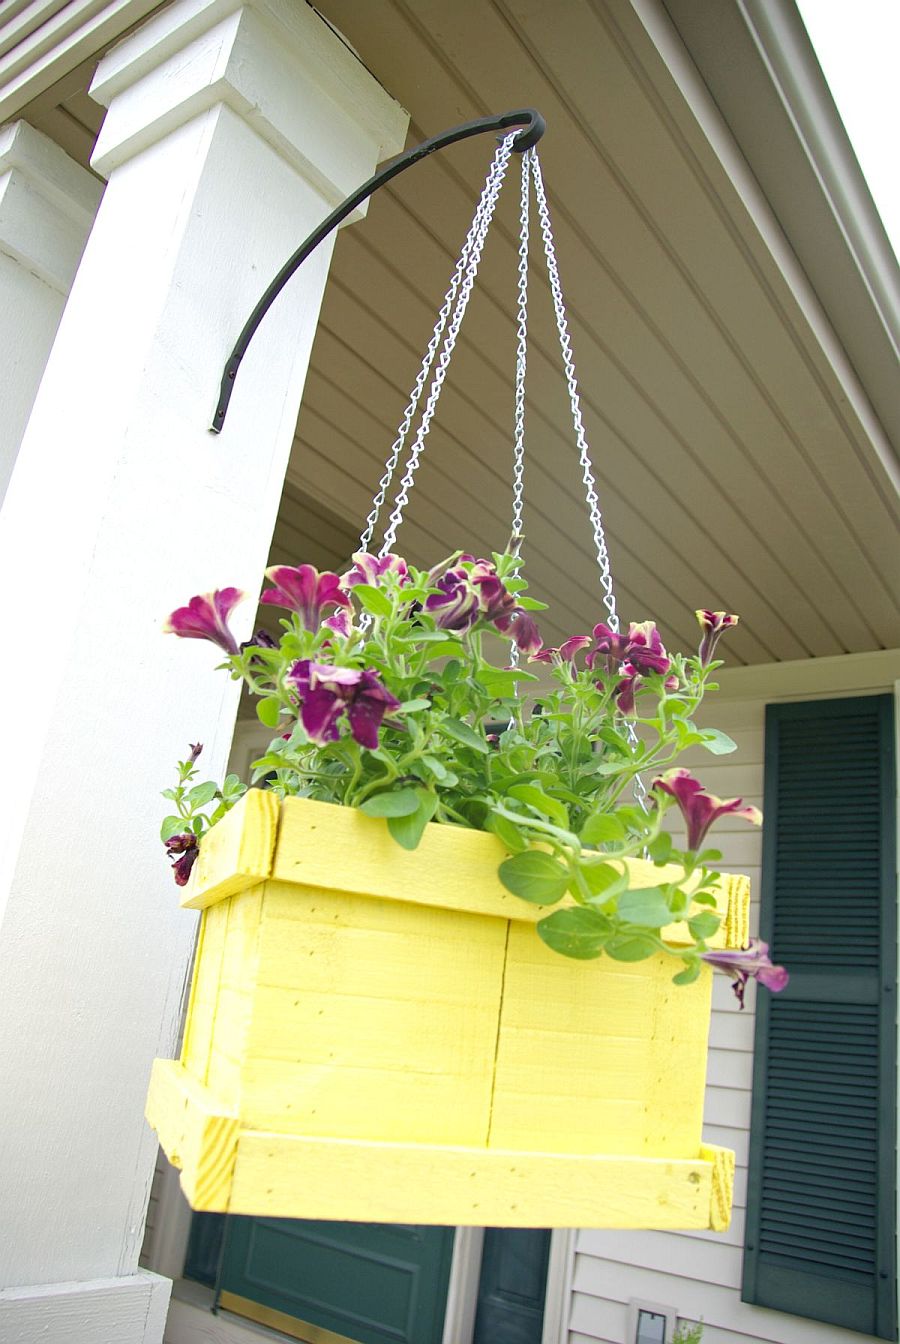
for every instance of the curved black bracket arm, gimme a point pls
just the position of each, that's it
(533, 130)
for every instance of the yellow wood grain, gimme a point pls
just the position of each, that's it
(207, 976)
(722, 1193)
(195, 1133)
(372, 1018)
(604, 1057)
(236, 853)
(283, 1176)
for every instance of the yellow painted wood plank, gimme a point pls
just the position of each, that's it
(196, 1133)
(236, 853)
(723, 1161)
(207, 974)
(339, 848)
(372, 1018)
(283, 1176)
(604, 1056)
(356, 1102)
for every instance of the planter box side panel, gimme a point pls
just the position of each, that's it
(599, 1056)
(225, 974)
(372, 1018)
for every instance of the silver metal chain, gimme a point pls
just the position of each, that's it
(521, 361)
(481, 223)
(565, 344)
(593, 503)
(384, 484)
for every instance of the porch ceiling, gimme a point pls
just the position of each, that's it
(733, 473)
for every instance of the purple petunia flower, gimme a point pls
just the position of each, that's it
(186, 847)
(753, 962)
(370, 568)
(642, 647)
(206, 616)
(326, 693)
(304, 590)
(699, 808)
(340, 622)
(455, 605)
(713, 624)
(522, 630)
(566, 652)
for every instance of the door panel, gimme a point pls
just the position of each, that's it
(372, 1282)
(513, 1286)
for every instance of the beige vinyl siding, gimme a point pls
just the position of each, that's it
(699, 1274)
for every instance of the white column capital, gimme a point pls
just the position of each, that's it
(196, 54)
(47, 205)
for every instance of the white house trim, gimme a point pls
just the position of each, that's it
(122, 495)
(47, 207)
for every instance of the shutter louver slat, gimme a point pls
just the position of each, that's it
(821, 1207)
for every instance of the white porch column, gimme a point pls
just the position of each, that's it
(232, 129)
(47, 206)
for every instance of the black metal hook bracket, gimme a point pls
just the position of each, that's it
(533, 130)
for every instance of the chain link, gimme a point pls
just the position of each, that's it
(593, 503)
(480, 225)
(384, 484)
(521, 360)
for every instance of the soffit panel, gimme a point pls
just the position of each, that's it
(731, 475)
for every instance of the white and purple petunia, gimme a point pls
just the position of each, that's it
(327, 693)
(206, 617)
(304, 590)
(752, 962)
(566, 653)
(470, 591)
(642, 647)
(713, 624)
(699, 808)
(371, 569)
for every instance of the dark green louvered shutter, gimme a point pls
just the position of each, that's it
(821, 1207)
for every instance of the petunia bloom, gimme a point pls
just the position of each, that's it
(455, 605)
(753, 962)
(522, 630)
(206, 617)
(327, 693)
(713, 624)
(371, 568)
(642, 647)
(304, 590)
(340, 622)
(699, 808)
(184, 850)
(566, 652)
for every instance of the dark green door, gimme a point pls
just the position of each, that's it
(513, 1286)
(378, 1283)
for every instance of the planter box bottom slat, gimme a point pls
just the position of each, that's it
(227, 1169)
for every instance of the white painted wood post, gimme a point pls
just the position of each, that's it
(47, 206)
(231, 131)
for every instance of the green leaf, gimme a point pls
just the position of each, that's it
(647, 906)
(400, 803)
(577, 933)
(704, 898)
(603, 880)
(535, 876)
(546, 806)
(705, 925)
(689, 974)
(411, 706)
(375, 602)
(631, 947)
(268, 711)
(172, 826)
(461, 732)
(407, 830)
(507, 833)
(720, 744)
(660, 848)
(530, 603)
(498, 682)
(601, 828)
(201, 794)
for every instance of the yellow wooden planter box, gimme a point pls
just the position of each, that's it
(378, 1035)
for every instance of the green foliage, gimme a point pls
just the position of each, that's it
(547, 763)
(688, 1332)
